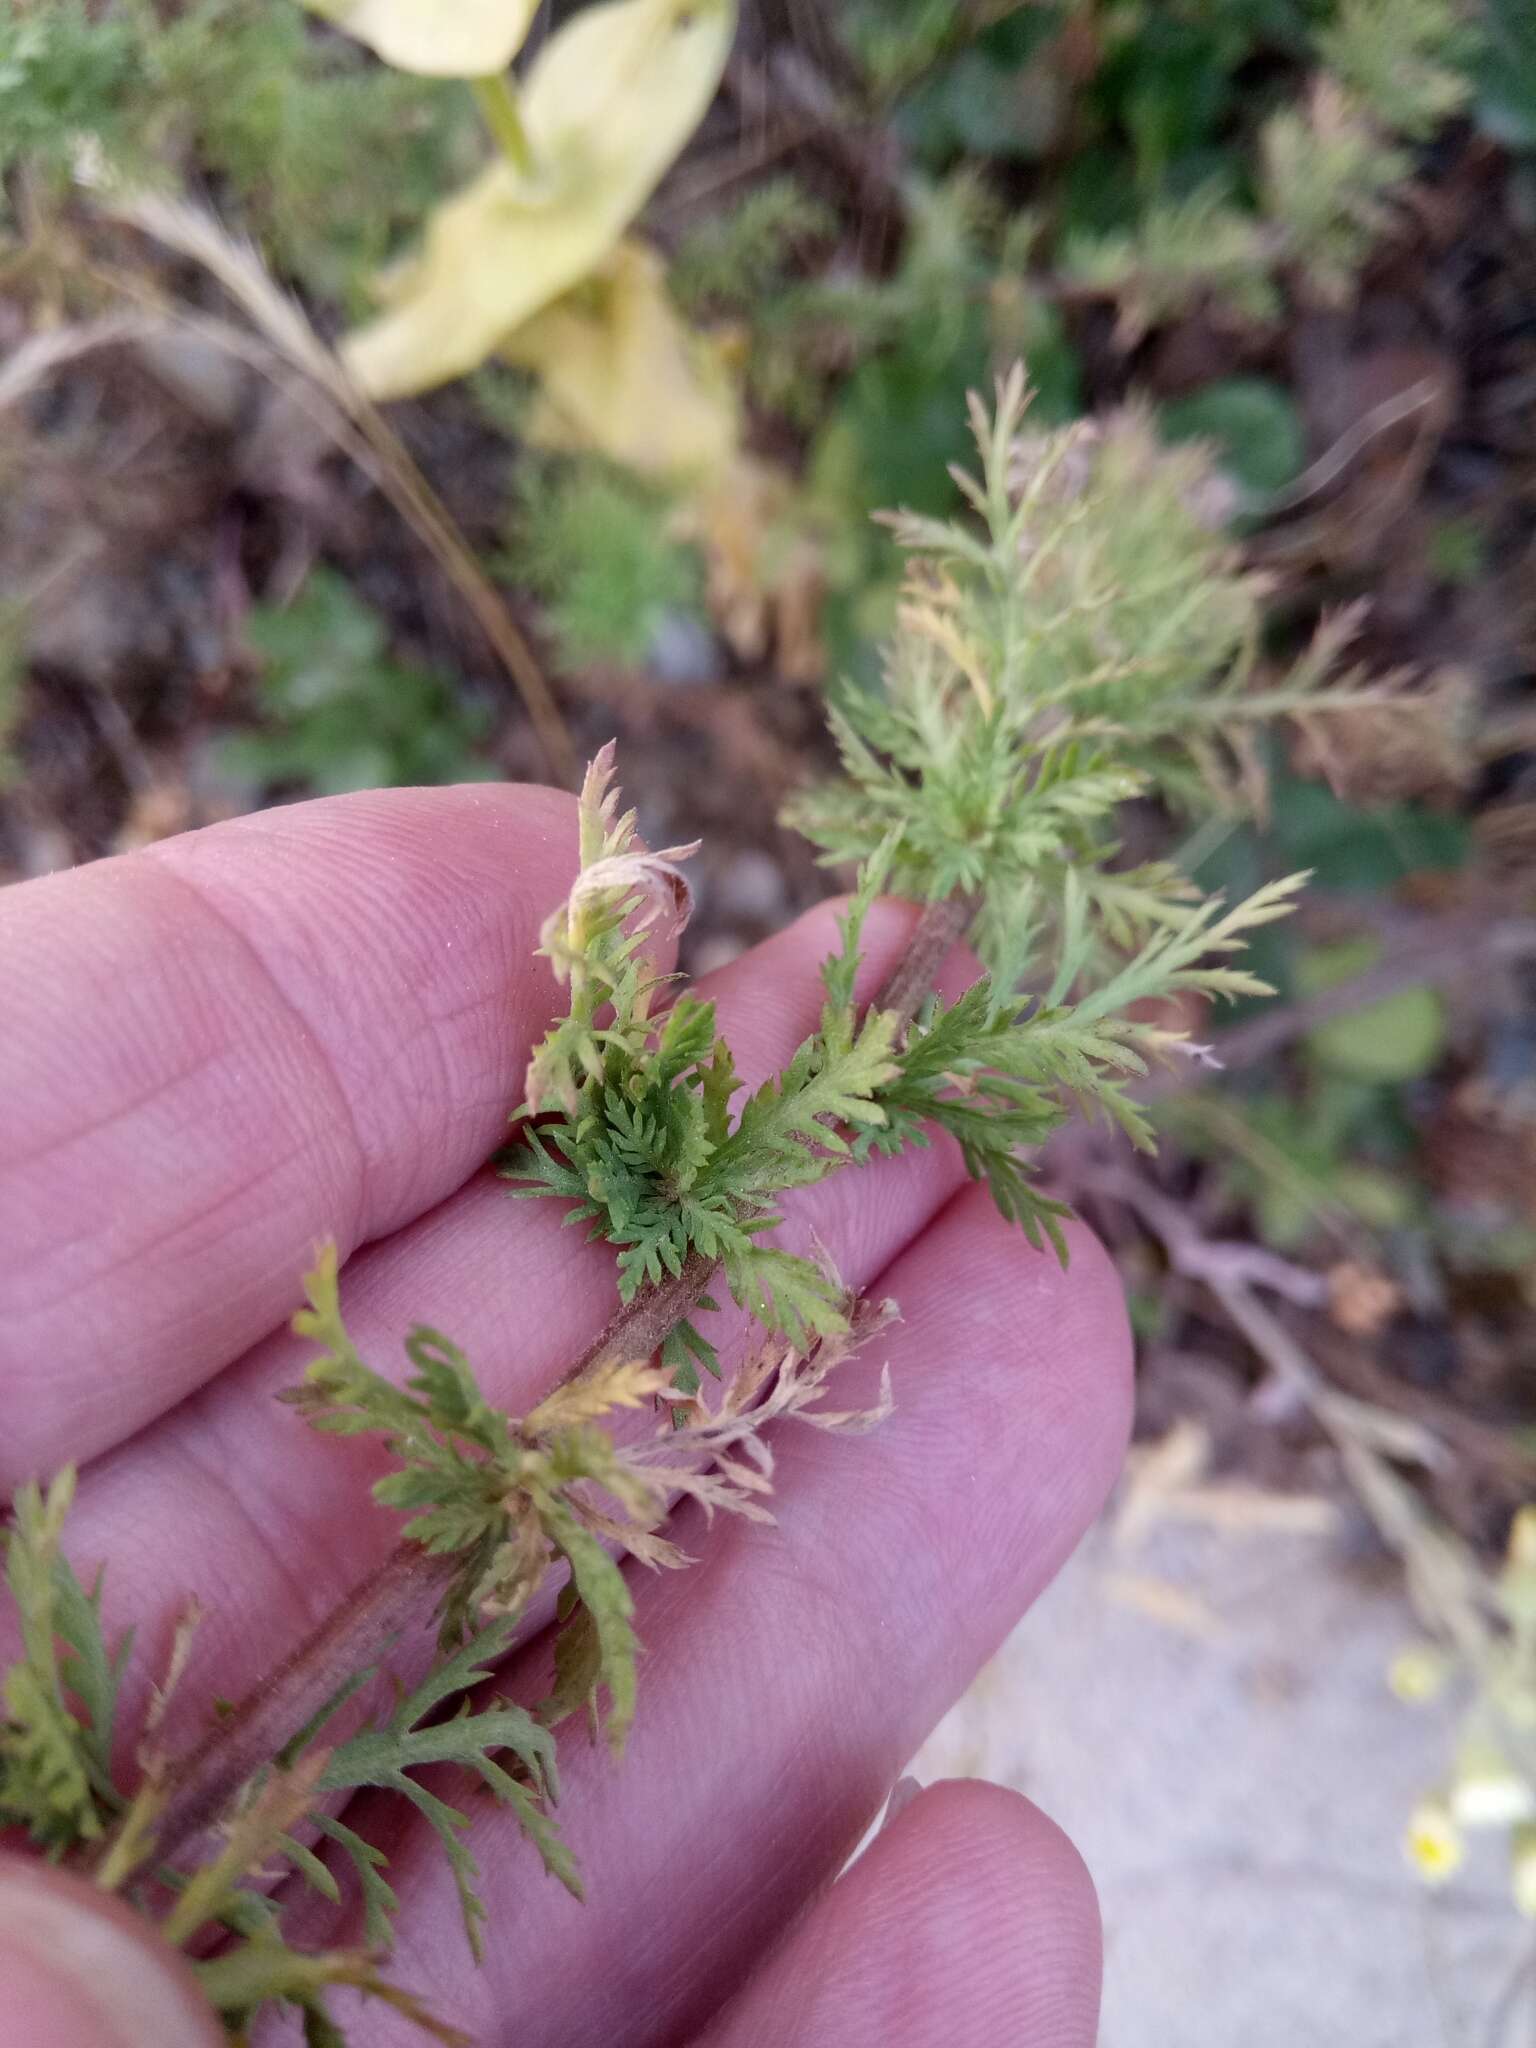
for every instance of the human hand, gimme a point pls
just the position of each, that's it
(310, 1023)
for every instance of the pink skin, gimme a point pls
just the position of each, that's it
(217, 1052)
(924, 1938)
(78, 1970)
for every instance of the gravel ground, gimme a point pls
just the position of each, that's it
(1209, 1720)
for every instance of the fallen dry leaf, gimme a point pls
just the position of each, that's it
(1361, 1300)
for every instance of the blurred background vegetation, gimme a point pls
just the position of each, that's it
(1302, 232)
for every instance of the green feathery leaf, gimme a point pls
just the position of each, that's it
(60, 1698)
(474, 1738)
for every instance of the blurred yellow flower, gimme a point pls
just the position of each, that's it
(1418, 1673)
(610, 101)
(436, 38)
(1433, 1842)
(621, 372)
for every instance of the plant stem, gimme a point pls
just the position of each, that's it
(285, 341)
(201, 1785)
(496, 97)
(398, 1592)
(939, 929)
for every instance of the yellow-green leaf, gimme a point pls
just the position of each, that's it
(609, 103)
(436, 38)
(623, 373)
(1396, 1039)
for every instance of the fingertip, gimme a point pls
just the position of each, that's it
(81, 1970)
(970, 1919)
(995, 1844)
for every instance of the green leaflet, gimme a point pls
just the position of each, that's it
(60, 1699)
(456, 1453)
(263, 1971)
(686, 1349)
(606, 1650)
(477, 1483)
(787, 1294)
(474, 1738)
(650, 1158)
(787, 1134)
(379, 1901)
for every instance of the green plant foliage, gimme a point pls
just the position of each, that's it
(475, 1483)
(510, 1497)
(1326, 173)
(988, 98)
(1013, 726)
(897, 40)
(1303, 1165)
(1405, 60)
(1458, 551)
(63, 73)
(1080, 635)
(60, 1700)
(1181, 254)
(925, 322)
(594, 544)
(483, 1740)
(1169, 82)
(1253, 426)
(898, 423)
(293, 124)
(895, 427)
(1155, 222)
(643, 1144)
(1095, 639)
(1397, 1039)
(1506, 73)
(338, 712)
(1371, 848)
(1073, 633)
(262, 1972)
(735, 258)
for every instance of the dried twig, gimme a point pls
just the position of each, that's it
(1233, 1272)
(33, 361)
(1333, 462)
(198, 236)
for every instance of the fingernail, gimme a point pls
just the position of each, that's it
(79, 1971)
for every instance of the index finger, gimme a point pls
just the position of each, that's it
(306, 1024)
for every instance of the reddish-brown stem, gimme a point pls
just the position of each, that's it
(399, 1592)
(201, 1784)
(935, 935)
